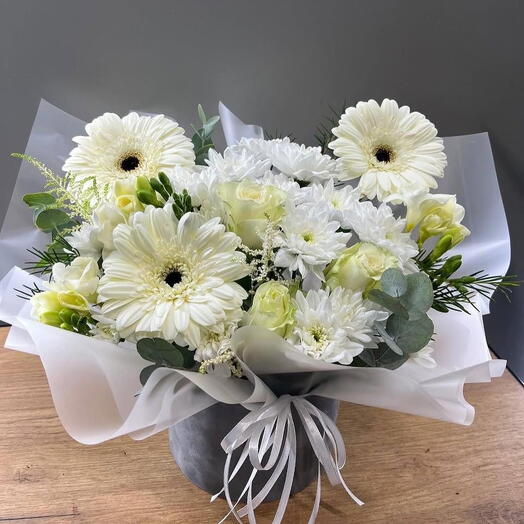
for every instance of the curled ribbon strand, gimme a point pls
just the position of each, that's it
(271, 428)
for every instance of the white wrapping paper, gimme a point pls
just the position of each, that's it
(95, 384)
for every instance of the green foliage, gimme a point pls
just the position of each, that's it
(408, 329)
(457, 294)
(182, 204)
(49, 220)
(37, 200)
(59, 250)
(28, 291)
(381, 357)
(75, 321)
(202, 142)
(324, 134)
(164, 354)
(57, 193)
(157, 191)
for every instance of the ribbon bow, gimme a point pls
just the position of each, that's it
(271, 428)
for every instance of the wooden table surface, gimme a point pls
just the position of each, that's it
(407, 469)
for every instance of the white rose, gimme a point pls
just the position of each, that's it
(250, 206)
(81, 276)
(359, 267)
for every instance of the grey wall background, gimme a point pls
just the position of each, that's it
(280, 64)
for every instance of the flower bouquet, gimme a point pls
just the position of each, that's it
(235, 298)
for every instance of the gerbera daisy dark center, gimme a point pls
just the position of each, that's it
(173, 278)
(384, 154)
(130, 163)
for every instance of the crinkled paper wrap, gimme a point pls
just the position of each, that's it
(95, 384)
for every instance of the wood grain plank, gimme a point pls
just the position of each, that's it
(407, 469)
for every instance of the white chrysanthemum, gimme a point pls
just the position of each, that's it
(391, 149)
(237, 164)
(378, 226)
(119, 148)
(309, 242)
(201, 184)
(85, 240)
(333, 326)
(294, 193)
(300, 162)
(173, 279)
(339, 200)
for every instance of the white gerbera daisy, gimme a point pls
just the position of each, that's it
(339, 200)
(334, 326)
(379, 226)
(173, 279)
(391, 149)
(120, 148)
(309, 242)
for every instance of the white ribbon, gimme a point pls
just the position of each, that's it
(270, 429)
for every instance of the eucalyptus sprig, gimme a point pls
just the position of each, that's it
(458, 293)
(408, 328)
(202, 142)
(164, 354)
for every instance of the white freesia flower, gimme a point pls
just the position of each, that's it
(334, 326)
(379, 226)
(120, 148)
(309, 242)
(423, 358)
(435, 214)
(81, 275)
(339, 200)
(173, 279)
(389, 148)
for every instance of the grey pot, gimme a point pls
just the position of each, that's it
(195, 443)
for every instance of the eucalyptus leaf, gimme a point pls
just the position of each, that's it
(410, 335)
(390, 303)
(160, 352)
(388, 339)
(386, 358)
(393, 282)
(39, 200)
(50, 219)
(146, 373)
(419, 292)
